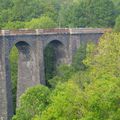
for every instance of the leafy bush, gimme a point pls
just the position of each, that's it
(63, 105)
(14, 25)
(32, 103)
(101, 99)
(117, 24)
(88, 13)
(41, 23)
(64, 72)
(105, 58)
(102, 94)
(49, 59)
(79, 57)
(14, 73)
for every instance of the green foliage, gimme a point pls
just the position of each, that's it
(32, 103)
(117, 24)
(5, 4)
(14, 25)
(24, 10)
(49, 59)
(65, 13)
(4, 16)
(42, 23)
(103, 91)
(64, 72)
(101, 101)
(117, 6)
(63, 105)
(79, 57)
(116, 2)
(99, 96)
(14, 72)
(106, 56)
(89, 13)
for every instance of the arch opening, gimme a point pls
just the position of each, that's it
(21, 59)
(54, 55)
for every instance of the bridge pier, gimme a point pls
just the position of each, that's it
(73, 46)
(26, 68)
(6, 107)
(40, 62)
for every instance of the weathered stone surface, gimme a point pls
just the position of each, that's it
(31, 45)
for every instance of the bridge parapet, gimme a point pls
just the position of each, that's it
(34, 32)
(53, 31)
(17, 32)
(88, 30)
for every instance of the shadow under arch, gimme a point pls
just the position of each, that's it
(54, 55)
(24, 69)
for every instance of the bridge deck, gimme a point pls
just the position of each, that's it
(53, 31)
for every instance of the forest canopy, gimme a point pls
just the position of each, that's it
(15, 14)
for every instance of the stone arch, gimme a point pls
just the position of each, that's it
(17, 42)
(59, 52)
(53, 39)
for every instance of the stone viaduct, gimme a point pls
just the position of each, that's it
(31, 45)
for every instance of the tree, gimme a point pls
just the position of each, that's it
(14, 73)
(89, 13)
(5, 4)
(49, 59)
(32, 103)
(41, 23)
(24, 10)
(79, 57)
(14, 25)
(4, 17)
(63, 73)
(94, 13)
(63, 105)
(117, 24)
(67, 16)
(102, 94)
(106, 56)
(101, 99)
(117, 6)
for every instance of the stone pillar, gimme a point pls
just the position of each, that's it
(74, 44)
(6, 108)
(26, 68)
(40, 61)
(68, 52)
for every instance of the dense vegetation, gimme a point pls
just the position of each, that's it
(87, 93)
(76, 91)
(14, 73)
(16, 14)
